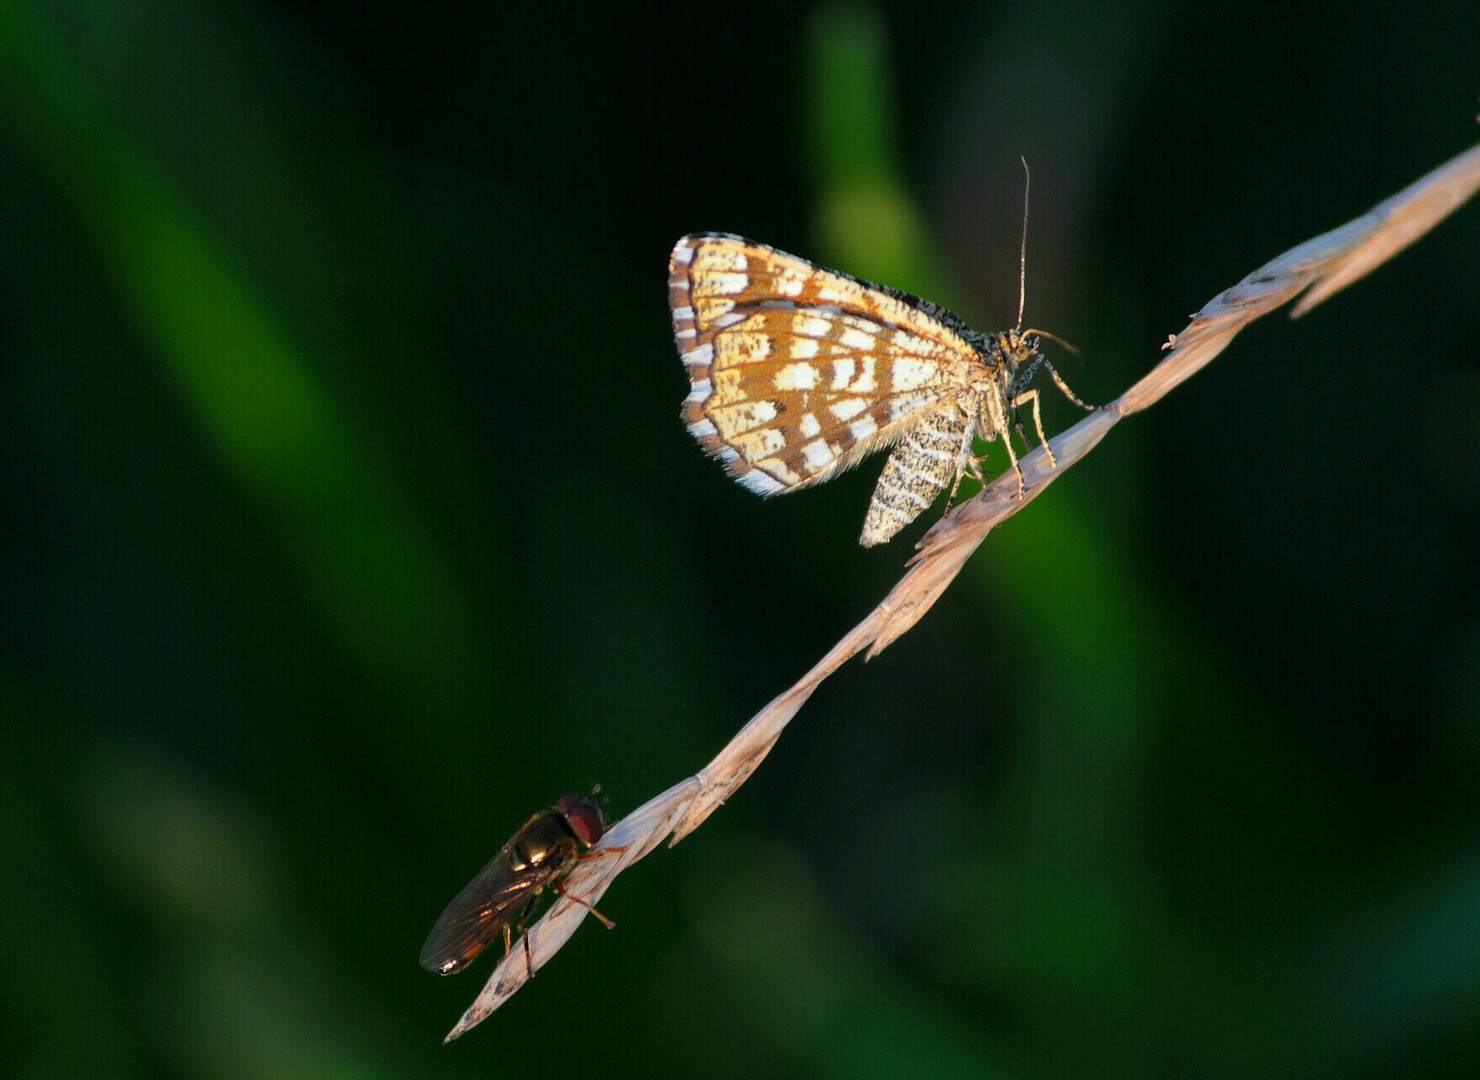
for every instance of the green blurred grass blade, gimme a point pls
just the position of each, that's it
(384, 592)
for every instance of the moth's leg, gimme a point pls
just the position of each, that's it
(966, 462)
(1064, 387)
(994, 421)
(916, 472)
(1012, 457)
(1021, 383)
(1017, 427)
(1023, 398)
(1026, 377)
(1021, 394)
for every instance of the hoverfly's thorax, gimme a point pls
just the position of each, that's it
(544, 836)
(523, 858)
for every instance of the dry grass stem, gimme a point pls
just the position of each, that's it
(1317, 268)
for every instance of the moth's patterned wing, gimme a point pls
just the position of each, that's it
(927, 459)
(798, 372)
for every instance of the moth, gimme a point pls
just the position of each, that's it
(798, 372)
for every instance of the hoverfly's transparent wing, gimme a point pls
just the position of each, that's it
(477, 915)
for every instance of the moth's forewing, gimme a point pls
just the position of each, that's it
(797, 371)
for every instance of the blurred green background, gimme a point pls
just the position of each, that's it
(348, 519)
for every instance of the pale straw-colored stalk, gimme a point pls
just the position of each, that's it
(1318, 268)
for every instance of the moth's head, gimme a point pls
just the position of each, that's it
(1032, 339)
(1018, 347)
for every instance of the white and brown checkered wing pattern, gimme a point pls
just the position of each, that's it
(799, 372)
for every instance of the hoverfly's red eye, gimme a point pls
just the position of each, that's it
(584, 818)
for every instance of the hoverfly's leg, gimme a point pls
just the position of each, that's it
(560, 888)
(508, 940)
(599, 852)
(523, 929)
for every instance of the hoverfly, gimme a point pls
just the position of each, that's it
(540, 854)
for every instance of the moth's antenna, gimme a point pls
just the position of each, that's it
(1023, 256)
